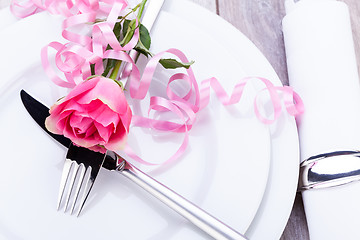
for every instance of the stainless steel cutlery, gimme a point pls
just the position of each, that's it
(114, 162)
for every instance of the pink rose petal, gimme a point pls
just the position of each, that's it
(94, 114)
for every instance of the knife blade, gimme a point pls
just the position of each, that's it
(40, 112)
(200, 218)
(37, 110)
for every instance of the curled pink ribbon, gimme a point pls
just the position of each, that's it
(74, 58)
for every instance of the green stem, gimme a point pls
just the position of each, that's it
(141, 9)
(115, 70)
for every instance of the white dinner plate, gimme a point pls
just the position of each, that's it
(229, 148)
(158, 222)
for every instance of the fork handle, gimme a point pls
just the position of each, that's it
(188, 210)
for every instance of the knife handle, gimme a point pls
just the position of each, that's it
(188, 210)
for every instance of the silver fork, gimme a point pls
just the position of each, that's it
(79, 173)
(76, 164)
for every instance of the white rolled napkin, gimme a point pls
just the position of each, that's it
(322, 69)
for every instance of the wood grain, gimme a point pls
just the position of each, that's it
(209, 4)
(260, 21)
(354, 7)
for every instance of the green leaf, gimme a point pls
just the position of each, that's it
(142, 49)
(125, 26)
(145, 37)
(117, 30)
(170, 63)
(110, 64)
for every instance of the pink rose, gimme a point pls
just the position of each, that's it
(95, 113)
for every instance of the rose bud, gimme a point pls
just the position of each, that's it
(94, 115)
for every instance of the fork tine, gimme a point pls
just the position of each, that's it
(88, 187)
(64, 177)
(79, 183)
(78, 187)
(71, 184)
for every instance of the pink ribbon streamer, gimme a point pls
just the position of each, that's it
(74, 58)
(187, 110)
(67, 8)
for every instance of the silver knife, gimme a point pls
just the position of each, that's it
(114, 162)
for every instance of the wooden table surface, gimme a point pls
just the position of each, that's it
(260, 21)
